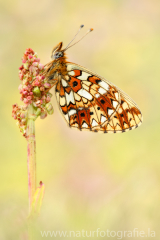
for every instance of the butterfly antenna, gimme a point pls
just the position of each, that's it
(68, 46)
(74, 36)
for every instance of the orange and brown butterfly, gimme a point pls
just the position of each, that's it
(88, 101)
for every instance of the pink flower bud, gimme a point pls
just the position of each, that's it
(24, 92)
(21, 76)
(30, 56)
(43, 115)
(48, 99)
(24, 71)
(25, 88)
(36, 83)
(23, 121)
(32, 69)
(35, 73)
(29, 98)
(42, 77)
(40, 66)
(18, 114)
(21, 67)
(23, 115)
(25, 101)
(47, 85)
(35, 64)
(20, 87)
(41, 89)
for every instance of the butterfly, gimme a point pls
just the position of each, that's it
(88, 101)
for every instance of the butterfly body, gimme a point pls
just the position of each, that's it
(88, 101)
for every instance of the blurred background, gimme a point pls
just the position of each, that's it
(106, 181)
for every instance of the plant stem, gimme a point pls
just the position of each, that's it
(31, 156)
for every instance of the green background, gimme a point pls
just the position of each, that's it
(106, 181)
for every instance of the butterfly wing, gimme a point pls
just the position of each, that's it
(89, 102)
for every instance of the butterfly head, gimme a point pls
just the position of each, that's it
(57, 52)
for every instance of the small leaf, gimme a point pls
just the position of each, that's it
(37, 200)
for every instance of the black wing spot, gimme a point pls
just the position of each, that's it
(98, 108)
(91, 113)
(102, 101)
(75, 83)
(97, 81)
(122, 115)
(115, 116)
(82, 114)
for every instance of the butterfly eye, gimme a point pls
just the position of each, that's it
(58, 55)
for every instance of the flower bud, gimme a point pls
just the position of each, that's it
(38, 103)
(38, 112)
(49, 94)
(47, 85)
(40, 66)
(29, 98)
(43, 115)
(26, 66)
(30, 56)
(48, 99)
(20, 76)
(35, 64)
(23, 115)
(25, 101)
(36, 91)
(23, 121)
(49, 108)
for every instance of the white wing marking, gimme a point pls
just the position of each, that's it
(85, 94)
(70, 97)
(84, 76)
(64, 83)
(102, 91)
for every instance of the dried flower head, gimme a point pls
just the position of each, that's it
(34, 89)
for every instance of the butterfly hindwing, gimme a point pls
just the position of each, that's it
(88, 102)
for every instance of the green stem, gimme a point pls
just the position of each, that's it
(31, 150)
(31, 162)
